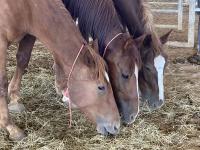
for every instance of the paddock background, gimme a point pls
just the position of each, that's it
(176, 126)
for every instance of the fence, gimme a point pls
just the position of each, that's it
(198, 10)
(179, 10)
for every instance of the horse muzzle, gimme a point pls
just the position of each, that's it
(108, 128)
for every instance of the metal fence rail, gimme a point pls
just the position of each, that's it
(179, 11)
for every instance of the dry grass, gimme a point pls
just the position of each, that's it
(175, 126)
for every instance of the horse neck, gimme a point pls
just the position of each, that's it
(54, 27)
(110, 35)
(129, 16)
(97, 18)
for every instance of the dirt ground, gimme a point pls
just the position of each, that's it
(176, 126)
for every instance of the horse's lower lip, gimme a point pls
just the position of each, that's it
(125, 122)
(102, 131)
(107, 130)
(156, 105)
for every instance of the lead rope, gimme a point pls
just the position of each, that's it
(66, 93)
(111, 42)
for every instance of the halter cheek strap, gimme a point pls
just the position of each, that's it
(66, 93)
(111, 42)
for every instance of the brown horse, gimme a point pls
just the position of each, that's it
(137, 17)
(51, 24)
(99, 19)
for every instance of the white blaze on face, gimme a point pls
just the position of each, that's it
(136, 76)
(76, 22)
(107, 77)
(159, 63)
(137, 86)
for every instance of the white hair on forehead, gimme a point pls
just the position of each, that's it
(136, 76)
(76, 22)
(159, 63)
(90, 39)
(106, 76)
(137, 85)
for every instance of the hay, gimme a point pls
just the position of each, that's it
(175, 126)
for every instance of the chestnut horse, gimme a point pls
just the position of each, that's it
(51, 24)
(99, 19)
(137, 17)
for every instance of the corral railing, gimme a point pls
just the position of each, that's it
(178, 10)
(179, 5)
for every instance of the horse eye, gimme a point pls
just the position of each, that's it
(125, 76)
(102, 88)
(148, 68)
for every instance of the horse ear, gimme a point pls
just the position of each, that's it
(95, 45)
(148, 40)
(165, 37)
(140, 40)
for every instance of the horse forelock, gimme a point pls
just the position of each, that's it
(100, 66)
(138, 59)
(146, 16)
(133, 53)
(156, 43)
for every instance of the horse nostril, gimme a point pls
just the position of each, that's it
(161, 102)
(116, 129)
(154, 105)
(132, 117)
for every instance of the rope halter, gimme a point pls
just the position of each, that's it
(66, 93)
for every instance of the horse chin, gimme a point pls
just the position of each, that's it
(102, 130)
(153, 103)
(107, 129)
(127, 112)
(128, 122)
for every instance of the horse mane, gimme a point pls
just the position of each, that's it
(135, 59)
(96, 18)
(146, 16)
(147, 21)
(100, 65)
